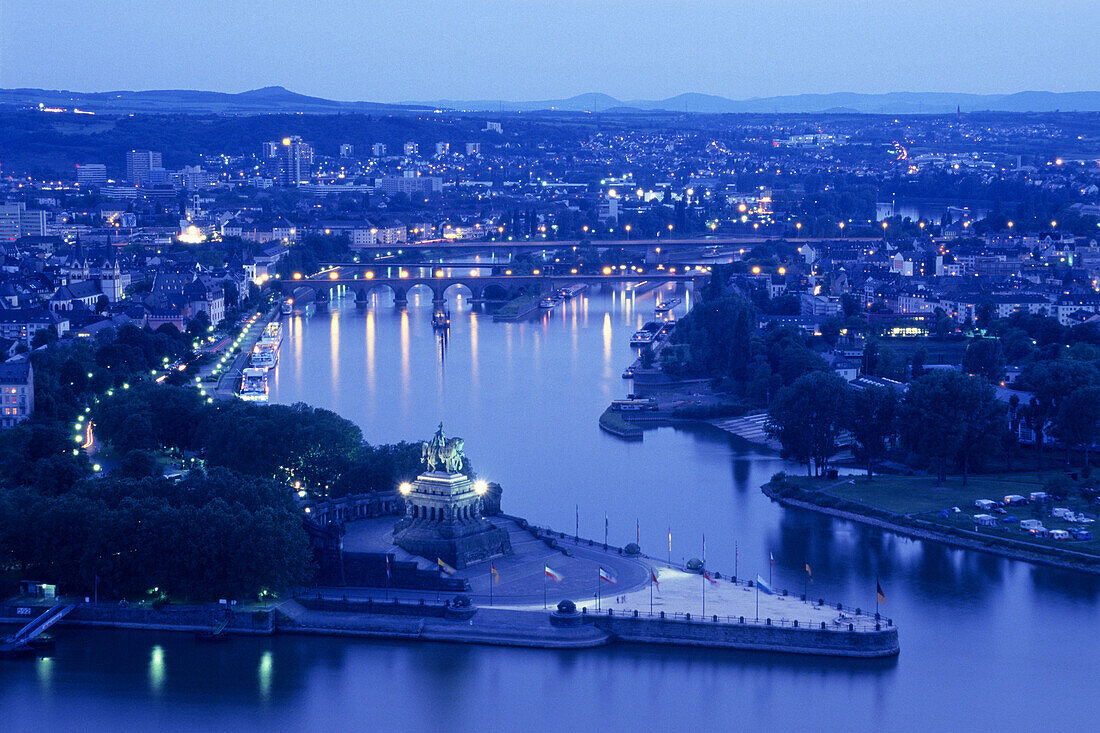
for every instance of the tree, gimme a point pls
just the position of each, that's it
(950, 418)
(943, 324)
(984, 358)
(916, 369)
(807, 416)
(830, 329)
(1077, 422)
(871, 422)
(101, 303)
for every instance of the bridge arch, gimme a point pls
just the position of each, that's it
(466, 290)
(364, 292)
(494, 291)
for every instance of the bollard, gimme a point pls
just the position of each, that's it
(823, 624)
(851, 627)
(878, 627)
(584, 610)
(687, 616)
(715, 618)
(611, 612)
(742, 619)
(768, 621)
(662, 614)
(635, 613)
(796, 624)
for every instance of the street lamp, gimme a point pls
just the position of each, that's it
(405, 488)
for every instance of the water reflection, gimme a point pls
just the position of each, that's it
(156, 668)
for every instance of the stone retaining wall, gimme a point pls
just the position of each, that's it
(169, 618)
(804, 640)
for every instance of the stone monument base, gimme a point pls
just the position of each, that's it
(443, 520)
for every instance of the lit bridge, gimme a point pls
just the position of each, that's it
(439, 279)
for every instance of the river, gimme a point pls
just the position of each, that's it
(987, 643)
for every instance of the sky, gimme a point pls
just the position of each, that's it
(401, 50)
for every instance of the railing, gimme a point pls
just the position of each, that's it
(861, 623)
(856, 614)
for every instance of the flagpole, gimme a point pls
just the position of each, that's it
(544, 588)
(704, 573)
(877, 586)
(605, 529)
(758, 600)
(735, 559)
(577, 533)
(670, 546)
(598, 579)
(490, 584)
(806, 583)
(651, 592)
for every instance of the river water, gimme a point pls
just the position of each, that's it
(987, 644)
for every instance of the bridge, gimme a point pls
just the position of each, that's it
(20, 640)
(365, 279)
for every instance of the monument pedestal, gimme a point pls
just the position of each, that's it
(443, 519)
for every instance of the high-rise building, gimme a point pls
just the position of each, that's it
(293, 159)
(378, 150)
(17, 221)
(271, 149)
(473, 148)
(347, 150)
(91, 174)
(16, 393)
(139, 163)
(442, 148)
(411, 149)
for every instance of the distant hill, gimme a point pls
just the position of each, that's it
(276, 99)
(890, 103)
(256, 101)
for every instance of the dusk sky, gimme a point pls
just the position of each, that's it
(523, 49)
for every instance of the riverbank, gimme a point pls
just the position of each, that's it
(822, 501)
(517, 308)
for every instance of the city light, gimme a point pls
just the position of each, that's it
(480, 487)
(405, 488)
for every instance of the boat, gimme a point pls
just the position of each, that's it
(628, 373)
(272, 335)
(667, 305)
(647, 335)
(644, 404)
(547, 303)
(573, 290)
(254, 385)
(264, 357)
(441, 320)
(287, 307)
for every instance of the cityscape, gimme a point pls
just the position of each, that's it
(637, 390)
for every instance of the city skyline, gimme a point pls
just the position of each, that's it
(423, 51)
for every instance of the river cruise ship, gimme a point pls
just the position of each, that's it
(254, 385)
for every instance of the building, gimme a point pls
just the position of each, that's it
(202, 297)
(473, 148)
(411, 150)
(139, 165)
(378, 150)
(16, 221)
(293, 161)
(390, 185)
(91, 174)
(347, 150)
(442, 148)
(21, 324)
(17, 390)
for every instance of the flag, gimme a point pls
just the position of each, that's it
(708, 577)
(881, 597)
(389, 576)
(771, 556)
(763, 586)
(444, 566)
(809, 572)
(493, 570)
(608, 576)
(553, 574)
(670, 539)
(653, 578)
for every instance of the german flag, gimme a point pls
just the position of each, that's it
(496, 575)
(878, 589)
(444, 566)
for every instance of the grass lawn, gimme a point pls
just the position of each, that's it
(915, 494)
(920, 498)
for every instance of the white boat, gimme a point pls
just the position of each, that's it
(287, 307)
(547, 303)
(643, 338)
(272, 335)
(254, 385)
(264, 357)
